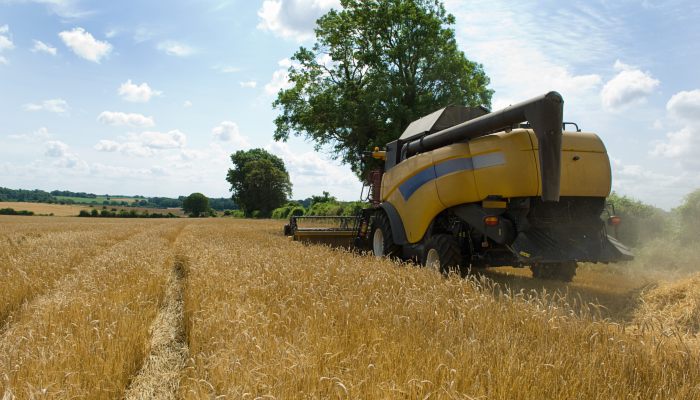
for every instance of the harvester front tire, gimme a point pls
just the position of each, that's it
(442, 253)
(564, 271)
(382, 240)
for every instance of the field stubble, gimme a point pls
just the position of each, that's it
(206, 308)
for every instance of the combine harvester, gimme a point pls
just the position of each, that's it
(463, 188)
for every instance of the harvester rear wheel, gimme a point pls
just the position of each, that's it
(564, 271)
(382, 242)
(442, 253)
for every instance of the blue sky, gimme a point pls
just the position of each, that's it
(146, 97)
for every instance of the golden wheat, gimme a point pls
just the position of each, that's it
(266, 317)
(88, 336)
(219, 307)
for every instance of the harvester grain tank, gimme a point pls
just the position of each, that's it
(463, 188)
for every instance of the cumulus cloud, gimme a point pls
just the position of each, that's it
(142, 93)
(5, 42)
(280, 78)
(174, 139)
(293, 19)
(187, 104)
(116, 118)
(41, 47)
(107, 146)
(683, 144)
(228, 131)
(629, 86)
(63, 157)
(312, 173)
(685, 105)
(145, 144)
(249, 84)
(56, 148)
(83, 44)
(58, 106)
(40, 134)
(173, 48)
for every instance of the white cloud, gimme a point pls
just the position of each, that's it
(280, 78)
(58, 106)
(145, 144)
(107, 146)
(64, 158)
(173, 48)
(40, 134)
(293, 19)
(683, 144)
(249, 84)
(685, 105)
(142, 93)
(129, 119)
(228, 131)
(187, 104)
(5, 43)
(85, 45)
(311, 173)
(629, 86)
(56, 149)
(41, 47)
(174, 139)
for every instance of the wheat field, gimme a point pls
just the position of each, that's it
(224, 308)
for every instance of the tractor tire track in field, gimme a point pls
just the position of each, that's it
(10, 317)
(159, 377)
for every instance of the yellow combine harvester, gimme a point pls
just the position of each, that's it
(464, 188)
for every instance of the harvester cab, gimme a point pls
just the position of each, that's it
(465, 188)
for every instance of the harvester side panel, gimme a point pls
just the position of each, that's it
(457, 179)
(509, 168)
(504, 164)
(585, 166)
(410, 188)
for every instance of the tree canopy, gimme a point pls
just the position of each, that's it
(259, 182)
(195, 204)
(376, 66)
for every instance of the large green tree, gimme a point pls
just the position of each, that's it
(376, 66)
(259, 182)
(195, 204)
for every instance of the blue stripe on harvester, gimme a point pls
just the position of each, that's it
(447, 167)
(413, 183)
(453, 165)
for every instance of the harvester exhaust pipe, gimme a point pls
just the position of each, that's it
(545, 115)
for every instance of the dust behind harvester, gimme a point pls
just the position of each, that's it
(463, 188)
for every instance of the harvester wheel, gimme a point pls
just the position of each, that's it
(442, 253)
(382, 242)
(563, 271)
